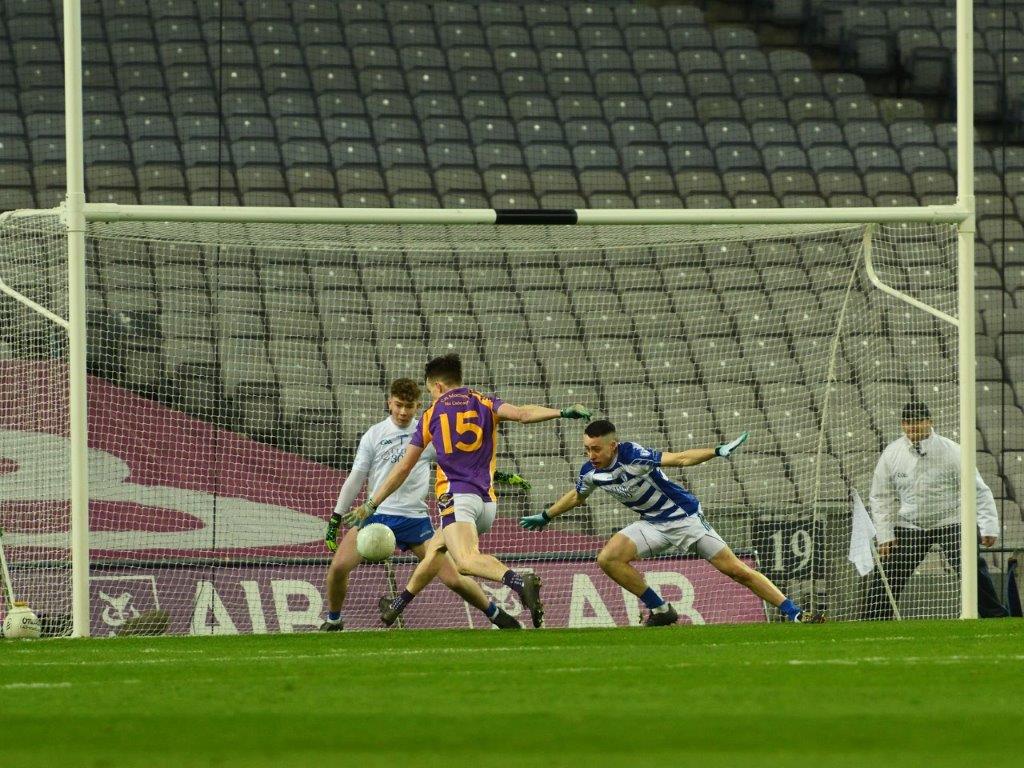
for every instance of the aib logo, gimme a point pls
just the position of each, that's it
(118, 608)
(118, 599)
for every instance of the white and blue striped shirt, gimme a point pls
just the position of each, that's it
(635, 479)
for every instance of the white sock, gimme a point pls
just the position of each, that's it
(663, 608)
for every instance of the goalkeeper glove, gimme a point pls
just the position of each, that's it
(535, 522)
(355, 517)
(331, 538)
(511, 478)
(725, 449)
(576, 411)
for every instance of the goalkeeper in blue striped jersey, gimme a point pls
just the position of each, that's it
(670, 516)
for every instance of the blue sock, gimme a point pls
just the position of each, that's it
(399, 603)
(651, 599)
(334, 615)
(491, 610)
(790, 609)
(514, 580)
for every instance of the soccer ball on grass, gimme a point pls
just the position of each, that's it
(375, 542)
(20, 623)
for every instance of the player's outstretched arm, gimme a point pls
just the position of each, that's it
(700, 455)
(531, 414)
(391, 484)
(687, 458)
(535, 522)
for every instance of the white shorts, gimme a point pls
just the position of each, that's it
(470, 508)
(653, 538)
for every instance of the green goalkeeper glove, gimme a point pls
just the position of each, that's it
(535, 522)
(331, 538)
(576, 411)
(725, 449)
(355, 517)
(511, 478)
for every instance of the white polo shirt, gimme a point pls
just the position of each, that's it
(920, 488)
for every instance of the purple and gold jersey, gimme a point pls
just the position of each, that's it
(462, 425)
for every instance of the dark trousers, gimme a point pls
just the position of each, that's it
(911, 548)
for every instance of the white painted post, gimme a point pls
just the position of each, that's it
(74, 214)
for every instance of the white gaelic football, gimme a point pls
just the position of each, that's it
(20, 623)
(375, 542)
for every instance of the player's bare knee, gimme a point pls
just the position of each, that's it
(449, 576)
(459, 559)
(606, 560)
(450, 579)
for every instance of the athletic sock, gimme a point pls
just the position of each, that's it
(651, 599)
(334, 616)
(514, 580)
(399, 603)
(790, 609)
(491, 611)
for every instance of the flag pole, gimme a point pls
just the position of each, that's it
(885, 583)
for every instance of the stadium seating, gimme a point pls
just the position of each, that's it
(911, 43)
(482, 104)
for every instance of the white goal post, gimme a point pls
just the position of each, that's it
(78, 214)
(234, 364)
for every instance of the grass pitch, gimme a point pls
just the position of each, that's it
(917, 693)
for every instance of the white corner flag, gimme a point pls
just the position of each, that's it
(862, 531)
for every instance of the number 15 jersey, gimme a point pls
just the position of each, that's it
(462, 425)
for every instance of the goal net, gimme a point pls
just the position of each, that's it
(34, 425)
(234, 367)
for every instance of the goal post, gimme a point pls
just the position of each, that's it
(113, 212)
(75, 223)
(228, 358)
(78, 215)
(965, 284)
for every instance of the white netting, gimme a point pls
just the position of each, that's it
(234, 368)
(34, 463)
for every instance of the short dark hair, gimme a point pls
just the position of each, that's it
(447, 369)
(599, 428)
(405, 390)
(915, 411)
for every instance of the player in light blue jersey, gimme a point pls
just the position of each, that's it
(670, 516)
(405, 512)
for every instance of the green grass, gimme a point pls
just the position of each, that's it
(918, 693)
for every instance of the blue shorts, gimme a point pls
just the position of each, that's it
(409, 531)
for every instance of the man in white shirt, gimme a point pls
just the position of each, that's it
(915, 504)
(404, 511)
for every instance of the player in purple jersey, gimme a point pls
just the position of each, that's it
(405, 513)
(462, 425)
